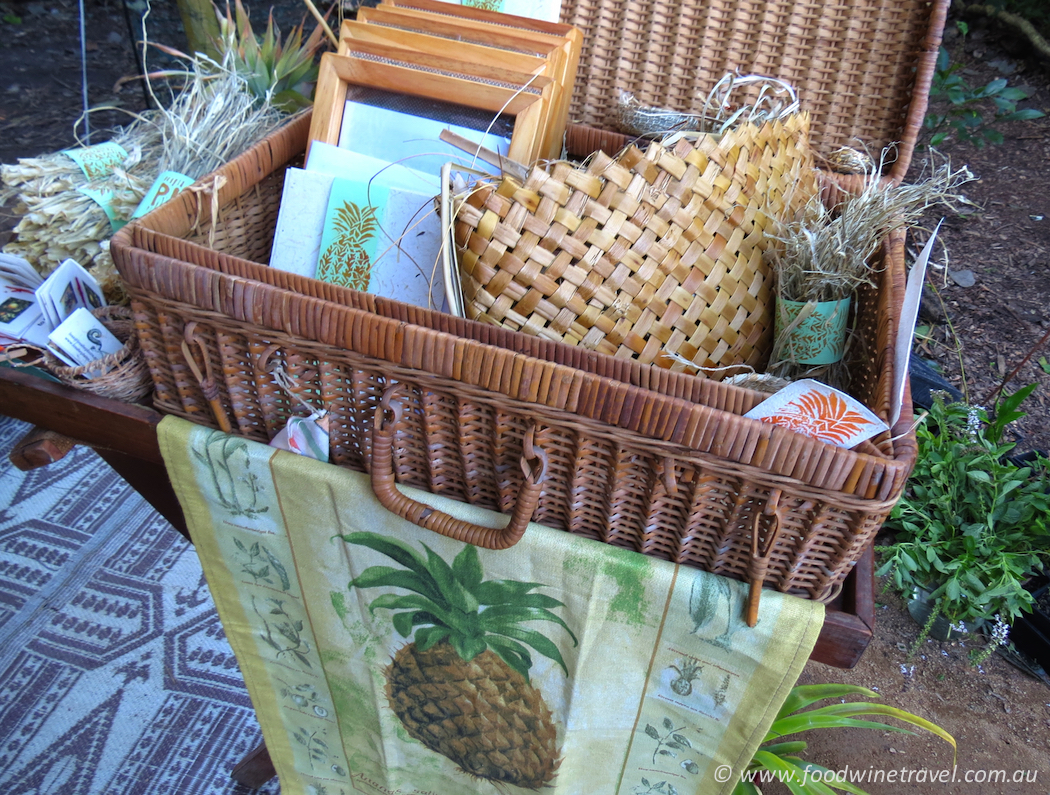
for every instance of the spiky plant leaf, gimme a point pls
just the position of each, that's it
(539, 642)
(795, 747)
(493, 618)
(450, 601)
(802, 696)
(805, 722)
(281, 72)
(512, 653)
(466, 567)
(398, 551)
(380, 576)
(451, 588)
(403, 623)
(505, 592)
(426, 637)
(792, 775)
(849, 711)
(467, 647)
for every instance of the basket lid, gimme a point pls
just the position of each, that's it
(862, 70)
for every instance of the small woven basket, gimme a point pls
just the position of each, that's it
(124, 374)
(644, 255)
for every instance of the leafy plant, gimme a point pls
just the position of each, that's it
(776, 760)
(972, 526)
(283, 72)
(960, 105)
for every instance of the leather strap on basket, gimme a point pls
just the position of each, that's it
(207, 382)
(760, 559)
(533, 465)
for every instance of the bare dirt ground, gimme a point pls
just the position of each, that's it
(1001, 716)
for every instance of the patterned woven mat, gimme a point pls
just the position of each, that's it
(115, 674)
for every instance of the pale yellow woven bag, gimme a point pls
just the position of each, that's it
(644, 254)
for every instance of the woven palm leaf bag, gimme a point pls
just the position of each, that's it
(642, 255)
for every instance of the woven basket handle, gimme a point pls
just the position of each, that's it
(209, 386)
(760, 553)
(533, 464)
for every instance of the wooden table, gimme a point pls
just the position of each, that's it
(125, 436)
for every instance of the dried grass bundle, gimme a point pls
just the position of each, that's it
(827, 252)
(772, 99)
(56, 172)
(57, 220)
(214, 118)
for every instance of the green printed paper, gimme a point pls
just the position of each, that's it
(98, 161)
(104, 199)
(167, 186)
(820, 338)
(351, 234)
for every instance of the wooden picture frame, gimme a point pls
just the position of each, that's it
(556, 42)
(486, 88)
(355, 35)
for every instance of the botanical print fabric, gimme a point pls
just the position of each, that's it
(383, 658)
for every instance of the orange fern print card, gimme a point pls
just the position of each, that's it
(820, 411)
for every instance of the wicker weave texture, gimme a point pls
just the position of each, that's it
(862, 68)
(618, 469)
(641, 457)
(644, 255)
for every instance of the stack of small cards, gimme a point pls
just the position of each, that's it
(363, 223)
(53, 314)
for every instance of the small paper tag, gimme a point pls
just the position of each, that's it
(306, 436)
(104, 199)
(98, 161)
(167, 186)
(819, 411)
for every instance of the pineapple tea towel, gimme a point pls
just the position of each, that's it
(384, 658)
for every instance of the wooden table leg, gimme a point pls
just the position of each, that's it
(38, 448)
(255, 769)
(149, 479)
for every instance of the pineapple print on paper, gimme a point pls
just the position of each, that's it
(461, 686)
(345, 261)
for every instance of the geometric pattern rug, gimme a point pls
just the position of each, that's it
(115, 674)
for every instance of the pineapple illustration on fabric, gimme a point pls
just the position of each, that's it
(461, 686)
(345, 261)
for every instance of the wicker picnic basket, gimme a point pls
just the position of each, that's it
(641, 457)
(862, 70)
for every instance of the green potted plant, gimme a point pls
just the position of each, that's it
(972, 527)
(779, 760)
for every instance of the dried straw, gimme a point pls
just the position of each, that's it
(827, 252)
(214, 118)
(775, 99)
